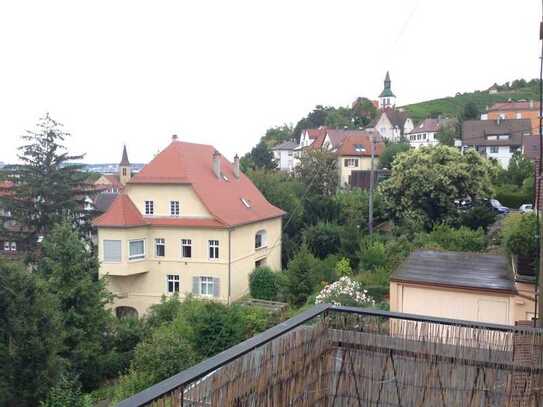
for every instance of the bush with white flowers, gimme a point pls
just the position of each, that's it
(345, 292)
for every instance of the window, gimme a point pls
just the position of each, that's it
(246, 202)
(213, 249)
(504, 137)
(160, 247)
(174, 208)
(7, 247)
(207, 286)
(112, 251)
(124, 172)
(491, 137)
(173, 283)
(136, 249)
(350, 162)
(518, 115)
(186, 248)
(13, 246)
(260, 239)
(359, 148)
(149, 207)
(494, 149)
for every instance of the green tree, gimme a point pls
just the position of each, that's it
(390, 152)
(30, 337)
(277, 134)
(520, 168)
(67, 393)
(261, 157)
(343, 268)
(71, 272)
(448, 133)
(301, 276)
(353, 208)
(318, 172)
(363, 112)
(323, 239)
(425, 182)
(471, 111)
(49, 187)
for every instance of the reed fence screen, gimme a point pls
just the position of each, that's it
(345, 359)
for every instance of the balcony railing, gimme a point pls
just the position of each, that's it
(343, 356)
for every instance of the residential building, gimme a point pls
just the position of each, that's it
(393, 125)
(425, 133)
(308, 136)
(354, 154)
(387, 99)
(525, 109)
(114, 183)
(466, 286)
(286, 154)
(11, 242)
(497, 139)
(188, 222)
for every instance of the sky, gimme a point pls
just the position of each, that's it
(221, 72)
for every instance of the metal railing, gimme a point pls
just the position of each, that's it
(183, 380)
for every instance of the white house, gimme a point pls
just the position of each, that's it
(286, 155)
(425, 133)
(393, 124)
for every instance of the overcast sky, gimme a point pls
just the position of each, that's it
(222, 72)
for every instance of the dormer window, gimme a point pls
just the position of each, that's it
(174, 208)
(359, 148)
(246, 202)
(149, 207)
(224, 177)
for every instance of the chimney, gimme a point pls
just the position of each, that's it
(217, 164)
(531, 104)
(236, 166)
(174, 137)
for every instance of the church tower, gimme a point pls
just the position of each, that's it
(387, 99)
(125, 172)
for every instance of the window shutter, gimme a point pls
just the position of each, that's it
(112, 250)
(216, 287)
(196, 285)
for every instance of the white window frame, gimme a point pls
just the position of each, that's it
(186, 243)
(7, 246)
(351, 162)
(149, 208)
(175, 208)
(13, 246)
(494, 149)
(137, 257)
(175, 279)
(160, 242)
(263, 239)
(209, 283)
(215, 245)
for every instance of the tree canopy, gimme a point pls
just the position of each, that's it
(425, 182)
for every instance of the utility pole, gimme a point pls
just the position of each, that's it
(539, 276)
(370, 206)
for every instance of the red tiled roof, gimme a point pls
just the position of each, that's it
(121, 213)
(348, 147)
(427, 126)
(316, 133)
(525, 105)
(189, 163)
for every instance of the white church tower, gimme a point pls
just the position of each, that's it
(387, 99)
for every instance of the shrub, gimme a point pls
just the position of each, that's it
(512, 196)
(372, 254)
(345, 292)
(463, 239)
(263, 284)
(302, 276)
(477, 217)
(519, 234)
(67, 393)
(343, 268)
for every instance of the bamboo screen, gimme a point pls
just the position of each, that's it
(368, 361)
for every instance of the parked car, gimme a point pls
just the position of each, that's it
(498, 207)
(526, 208)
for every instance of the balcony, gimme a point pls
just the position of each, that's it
(344, 356)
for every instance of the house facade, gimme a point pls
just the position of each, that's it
(10, 242)
(424, 134)
(527, 109)
(286, 155)
(189, 222)
(497, 139)
(392, 125)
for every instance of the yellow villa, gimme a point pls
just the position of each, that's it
(188, 222)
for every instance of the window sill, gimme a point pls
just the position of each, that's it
(136, 260)
(257, 249)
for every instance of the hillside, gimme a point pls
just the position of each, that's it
(452, 106)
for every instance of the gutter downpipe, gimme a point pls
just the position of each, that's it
(229, 264)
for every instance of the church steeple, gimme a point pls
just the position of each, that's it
(387, 99)
(125, 172)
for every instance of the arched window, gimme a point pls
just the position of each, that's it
(260, 239)
(126, 312)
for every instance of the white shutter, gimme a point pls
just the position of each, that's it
(112, 250)
(216, 287)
